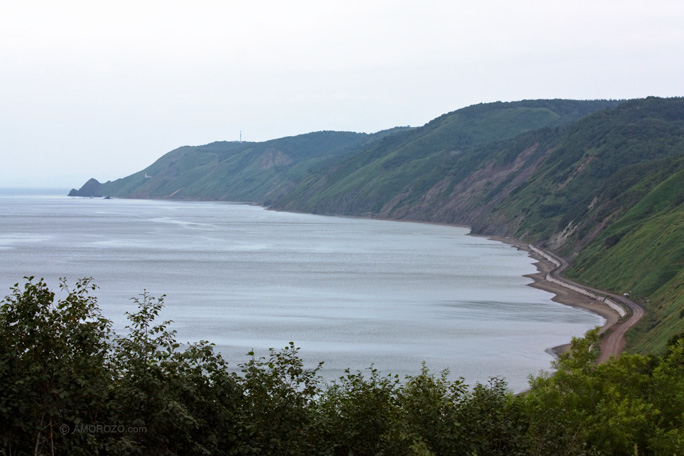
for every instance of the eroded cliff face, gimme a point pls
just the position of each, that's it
(272, 158)
(471, 200)
(467, 198)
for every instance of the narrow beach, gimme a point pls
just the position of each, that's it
(562, 295)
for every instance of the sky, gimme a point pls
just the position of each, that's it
(104, 88)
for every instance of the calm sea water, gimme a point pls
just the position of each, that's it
(349, 292)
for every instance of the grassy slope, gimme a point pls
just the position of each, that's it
(643, 253)
(234, 171)
(615, 185)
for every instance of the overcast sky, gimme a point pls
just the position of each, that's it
(102, 89)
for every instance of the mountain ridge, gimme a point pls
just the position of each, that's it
(589, 180)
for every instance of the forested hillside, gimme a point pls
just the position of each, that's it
(398, 172)
(599, 182)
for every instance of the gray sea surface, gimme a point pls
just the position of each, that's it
(350, 292)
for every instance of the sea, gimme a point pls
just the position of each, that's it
(353, 293)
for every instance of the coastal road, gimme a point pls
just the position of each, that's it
(613, 341)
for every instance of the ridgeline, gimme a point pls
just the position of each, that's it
(600, 183)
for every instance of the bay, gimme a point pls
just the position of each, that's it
(350, 292)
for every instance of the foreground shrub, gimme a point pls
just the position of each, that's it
(70, 386)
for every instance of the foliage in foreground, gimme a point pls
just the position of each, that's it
(70, 385)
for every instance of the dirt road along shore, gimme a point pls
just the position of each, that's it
(620, 312)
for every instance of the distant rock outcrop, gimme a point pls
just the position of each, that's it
(273, 158)
(90, 188)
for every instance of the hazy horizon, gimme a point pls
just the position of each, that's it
(103, 90)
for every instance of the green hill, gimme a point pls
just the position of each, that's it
(399, 170)
(599, 182)
(235, 171)
(609, 195)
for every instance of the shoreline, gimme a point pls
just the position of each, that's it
(562, 295)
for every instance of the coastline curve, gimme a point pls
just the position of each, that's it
(620, 312)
